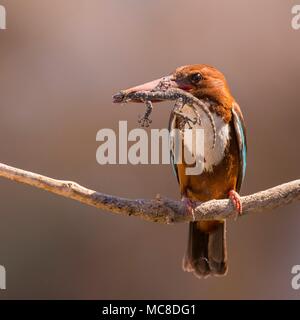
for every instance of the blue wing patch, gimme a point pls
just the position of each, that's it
(242, 142)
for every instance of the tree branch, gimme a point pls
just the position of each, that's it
(160, 209)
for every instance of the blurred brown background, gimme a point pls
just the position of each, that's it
(60, 63)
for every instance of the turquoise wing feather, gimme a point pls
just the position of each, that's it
(240, 132)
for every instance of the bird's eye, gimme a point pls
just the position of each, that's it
(196, 78)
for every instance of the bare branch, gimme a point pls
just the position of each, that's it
(157, 210)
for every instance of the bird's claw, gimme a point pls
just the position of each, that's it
(189, 207)
(237, 203)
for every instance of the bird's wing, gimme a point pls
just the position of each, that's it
(172, 145)
(240, 132)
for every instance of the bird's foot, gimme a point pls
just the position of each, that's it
(185, 120)
(189, 206)
(237, 203)
(144, 120)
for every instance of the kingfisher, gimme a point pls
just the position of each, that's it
(223, 163)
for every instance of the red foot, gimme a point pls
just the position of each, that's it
(236, 200)
(189, 206)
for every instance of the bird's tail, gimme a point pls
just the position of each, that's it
(206, 253)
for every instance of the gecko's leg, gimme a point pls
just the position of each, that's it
(184, 119)
(163, 85)
(144, 120)
(179, 104)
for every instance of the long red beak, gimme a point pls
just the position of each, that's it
(148, 86)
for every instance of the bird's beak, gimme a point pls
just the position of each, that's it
(168, 82)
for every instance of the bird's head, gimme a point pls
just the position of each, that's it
(202, 81)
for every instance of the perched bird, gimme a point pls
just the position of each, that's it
(224, 164)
